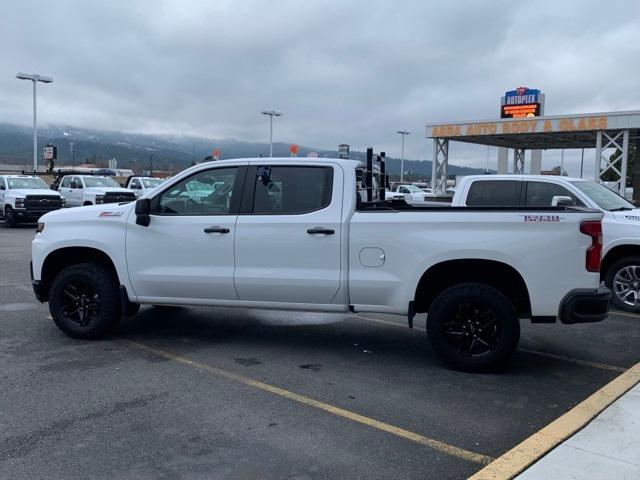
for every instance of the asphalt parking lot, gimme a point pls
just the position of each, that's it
(223, 393)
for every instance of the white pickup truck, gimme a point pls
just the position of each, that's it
(24, 199)
(79, 190)
(216, 234)
(620, 226)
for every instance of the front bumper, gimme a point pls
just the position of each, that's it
(28, 215)
(37, 287)
(585, 305)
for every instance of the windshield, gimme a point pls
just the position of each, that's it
(17, 183)
(413, 189)
(100, 182)
(604, 197)
(151, 182)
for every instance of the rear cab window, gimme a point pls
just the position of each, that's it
(494, 193)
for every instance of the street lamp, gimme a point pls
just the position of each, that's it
(271, 113)
(403, 133)
(35, 78)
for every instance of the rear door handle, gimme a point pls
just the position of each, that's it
(216, 230)
(320, 230)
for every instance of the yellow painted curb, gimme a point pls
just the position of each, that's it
(517, 459)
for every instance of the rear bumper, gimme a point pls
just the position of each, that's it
(585, 305)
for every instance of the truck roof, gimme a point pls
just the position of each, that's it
(512, 176)
(353, 163)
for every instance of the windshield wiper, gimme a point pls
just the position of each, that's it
(620, 209)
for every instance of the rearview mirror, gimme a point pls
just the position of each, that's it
(143, 211)
(562, 201)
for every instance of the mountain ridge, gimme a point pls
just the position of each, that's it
(170, 152)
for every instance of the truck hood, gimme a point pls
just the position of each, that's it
(23, 192)
(108, 211)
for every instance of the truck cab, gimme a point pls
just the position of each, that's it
(25, 198)
(82, 190)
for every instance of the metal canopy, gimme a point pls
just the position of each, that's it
(601, 131)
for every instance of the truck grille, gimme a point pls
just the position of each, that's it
(42, 203)
(117, 197)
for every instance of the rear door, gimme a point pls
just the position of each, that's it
(288, 234)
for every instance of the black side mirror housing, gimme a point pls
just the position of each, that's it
(143, 212)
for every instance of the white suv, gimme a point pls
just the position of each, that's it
(81, 190)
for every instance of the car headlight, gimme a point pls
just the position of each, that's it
(63, 201)
(99, 199)
(40, 227)
(19, 202)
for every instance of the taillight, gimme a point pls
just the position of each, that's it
(594, 252)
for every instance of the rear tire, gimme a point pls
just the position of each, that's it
(473, 327)
(84, 301)
(10, 217)
(624, 277)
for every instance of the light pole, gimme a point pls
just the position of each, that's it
(403, 133)
(35, 78)
(271, 113)
(73, 155)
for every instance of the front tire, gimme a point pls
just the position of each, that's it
(623, 279)
(10, 217)
(84, 301)
(473, 327)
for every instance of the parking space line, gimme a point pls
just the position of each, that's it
(586, 363)
(540, 443)
(340, 412)
(625, 314)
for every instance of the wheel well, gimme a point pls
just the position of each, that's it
(87, 203)
(496, 274)
(615, 254)
(62, 258)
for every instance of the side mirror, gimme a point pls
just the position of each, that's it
(76, 185)
(2, 187)
(562, 201)
(143, 212)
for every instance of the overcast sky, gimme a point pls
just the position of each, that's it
(341, 71)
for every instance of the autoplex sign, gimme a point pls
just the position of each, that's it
(522, 102)
(519, 126)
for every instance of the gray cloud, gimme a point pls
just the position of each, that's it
(350, 72)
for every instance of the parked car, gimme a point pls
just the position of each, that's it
(620, 225)
(24, 199)
(79, 190)
(140, 185)
(321, 248)
(412, 194)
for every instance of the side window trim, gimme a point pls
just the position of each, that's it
(234, 203)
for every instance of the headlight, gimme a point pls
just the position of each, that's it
(63, 201)
(40, 227)
(19, 202)
(99, 199)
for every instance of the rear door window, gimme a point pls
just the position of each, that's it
(291, 190)
(494, 193)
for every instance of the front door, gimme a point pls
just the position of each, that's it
(186, 252)
(288, 234)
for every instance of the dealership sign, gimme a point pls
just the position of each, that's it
(522, 102)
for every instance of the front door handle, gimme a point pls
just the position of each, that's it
(320, 230)
(216, 230)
